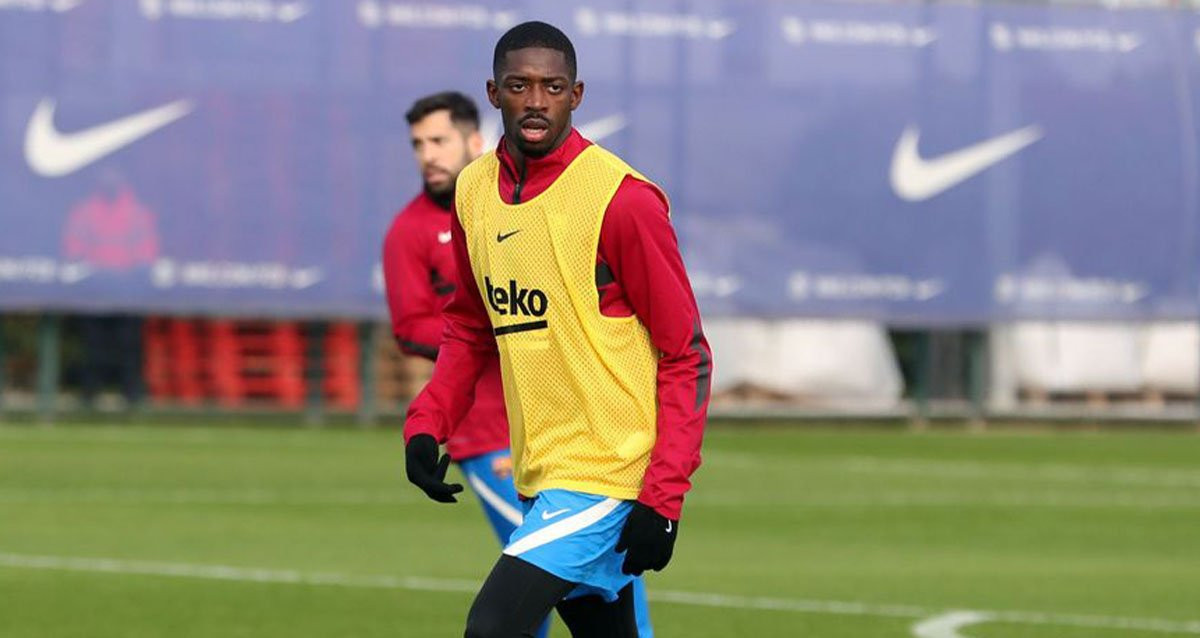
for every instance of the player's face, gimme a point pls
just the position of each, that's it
(535, 95)
(442, 149)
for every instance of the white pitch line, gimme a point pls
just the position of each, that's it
(921, 498)
(700, 599)
(231, 573)
(191, 496)
(1140, 476)
(947, 625)
(187, 436)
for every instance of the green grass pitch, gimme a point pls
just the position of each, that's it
(836, 533)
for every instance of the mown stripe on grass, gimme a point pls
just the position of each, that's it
(402, 494)
(702, 599)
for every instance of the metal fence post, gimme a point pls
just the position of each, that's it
(977, 377)
(1197, 416)
(3, 368)
(921, 380)
(48, 366)
(314, 369)
(368, 392)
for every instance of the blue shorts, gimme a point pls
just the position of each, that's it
(574, 536)
(496, 492)
(505, 511)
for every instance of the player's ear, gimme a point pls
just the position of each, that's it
(475, 143)
(576, 95)
(493, 93)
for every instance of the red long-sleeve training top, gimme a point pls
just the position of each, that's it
(639, 271)
(419, 276)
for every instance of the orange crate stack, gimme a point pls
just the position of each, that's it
(239, 361)
(156, 358)
(257, 360)
(171, 364)
(341, 365)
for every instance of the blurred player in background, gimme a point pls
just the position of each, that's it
(419, 272)
(569, 275)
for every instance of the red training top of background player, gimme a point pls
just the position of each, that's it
(418, 269)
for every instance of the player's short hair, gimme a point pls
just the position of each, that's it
(462, 108)
(533, 34)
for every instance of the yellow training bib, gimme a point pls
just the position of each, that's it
(580, 387)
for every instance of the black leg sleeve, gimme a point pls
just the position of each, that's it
(591, 617)
(514, 600)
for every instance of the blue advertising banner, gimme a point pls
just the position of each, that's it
(920, 163)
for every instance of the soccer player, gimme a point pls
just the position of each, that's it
(568, 274)
(418, 271)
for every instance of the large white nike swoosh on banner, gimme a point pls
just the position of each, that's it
(915, 179)
(63, 6)
(597, 130)
(50, 153)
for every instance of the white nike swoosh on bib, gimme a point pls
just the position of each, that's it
(50, 153)
(915, 179)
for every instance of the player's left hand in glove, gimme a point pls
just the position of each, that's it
(648, 540)
(426, 471)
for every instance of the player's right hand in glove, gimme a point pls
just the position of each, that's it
(648, 540)
(426, 471)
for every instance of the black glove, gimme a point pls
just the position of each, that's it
(648, 540)
(426, 471)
